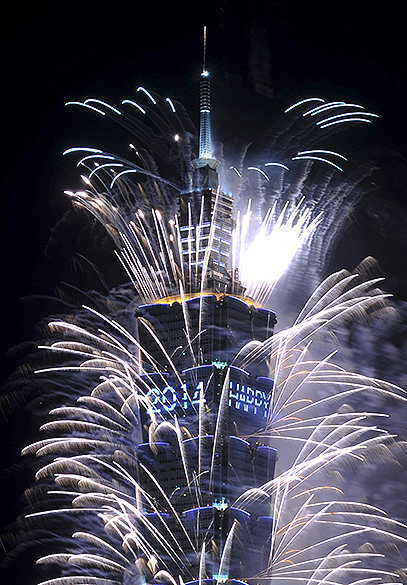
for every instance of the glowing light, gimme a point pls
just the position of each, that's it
(93, 100)
(331, 106)
(86, 106)
(142, 110)
(276, 164)
(318, 109)
(259, 171)
(171, 104)
(83, 149)
(309, 157)
(238, 173)
(147, 94)
(91, 157)
(346, 115)
(315, 151)
(85, 180)
(106, 166)
(119, 175)
(303, 102)
(343, 120)
(279, 239)
(221, 577)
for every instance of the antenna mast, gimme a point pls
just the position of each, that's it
(205, 139)
(204, 50)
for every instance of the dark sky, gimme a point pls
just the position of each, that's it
(273, 53)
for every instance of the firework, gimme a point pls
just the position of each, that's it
(165, 469)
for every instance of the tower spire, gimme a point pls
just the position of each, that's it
(204, 50)
(206, 213)
(205, 138)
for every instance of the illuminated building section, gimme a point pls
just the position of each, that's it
(220, 453)
(214, 232)
(247, 395)
(219, 325)
(206, 213)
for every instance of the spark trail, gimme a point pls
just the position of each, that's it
(164, 470)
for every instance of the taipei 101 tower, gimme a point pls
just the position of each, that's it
(221, 409)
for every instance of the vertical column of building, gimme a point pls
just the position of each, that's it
(205, 473)
(205, 138)
(205, 213)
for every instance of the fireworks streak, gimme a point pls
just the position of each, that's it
(287, 234)
(95, 469)
(165, 484)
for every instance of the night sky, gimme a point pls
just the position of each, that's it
(271, 53)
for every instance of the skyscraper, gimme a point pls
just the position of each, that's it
(188, 343)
